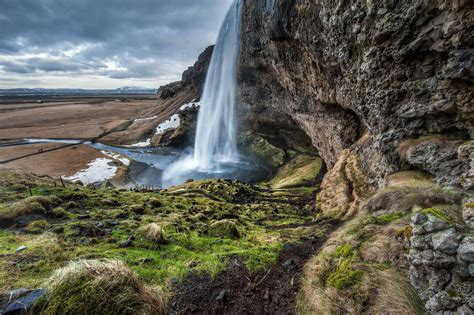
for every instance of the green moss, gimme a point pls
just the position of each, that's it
(343, 251)
(438, 213)
(389, 217)
(469, 205)
(224, 228)
(59, 212)
(37, 226)
(259, 147)
(448, 213)
(301, 170)
(344, 275)
(191, 215)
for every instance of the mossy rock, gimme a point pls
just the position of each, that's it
(153, 233)
(301, 170)
(224, 228)
(37, 227)
(59, 212)
(260, 148)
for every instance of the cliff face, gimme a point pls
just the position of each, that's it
(192, 79)
(396, 70)
(384, 90)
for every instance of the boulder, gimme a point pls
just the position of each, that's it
(446, 241)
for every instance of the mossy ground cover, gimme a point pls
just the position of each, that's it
(299, 171)
(84, 223)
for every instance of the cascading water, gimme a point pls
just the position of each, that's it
(216, 127)
(215, 144)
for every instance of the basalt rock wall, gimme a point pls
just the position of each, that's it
(400, 71)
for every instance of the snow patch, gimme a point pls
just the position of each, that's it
(171, 123)
(141, 144)
(98, 170)
(145, 119)
(116, 156)
(188, 105)
(66, 141)
(174, 121)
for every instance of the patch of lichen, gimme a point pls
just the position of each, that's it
(300, 171)
(86, 223)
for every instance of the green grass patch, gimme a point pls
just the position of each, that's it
(387, 218)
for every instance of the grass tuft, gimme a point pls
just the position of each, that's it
(99, 287)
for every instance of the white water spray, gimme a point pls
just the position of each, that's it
(215, 142)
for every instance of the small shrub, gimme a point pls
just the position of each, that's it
(46, 201)
(99, 287)
(18, 187)
(21, 208)
(111, 202)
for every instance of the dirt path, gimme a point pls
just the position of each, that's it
(236, 291)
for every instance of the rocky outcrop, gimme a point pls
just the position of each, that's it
(171, 97)
(442, 261)
(397, 69)
(383, 90)
(192, 79)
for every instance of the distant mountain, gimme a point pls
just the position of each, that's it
(71, 91)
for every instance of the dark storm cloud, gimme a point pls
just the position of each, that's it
(114, 38)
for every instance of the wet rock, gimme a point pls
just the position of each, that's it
(287, 262)
(20, 249)
(126, 244)
(19, 301)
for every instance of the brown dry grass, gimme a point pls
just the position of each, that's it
(79, 119)
(153, 233)
(384, 287)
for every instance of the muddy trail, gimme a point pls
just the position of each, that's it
(237, 291)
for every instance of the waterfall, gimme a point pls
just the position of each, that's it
(216, 128)
(215, 144)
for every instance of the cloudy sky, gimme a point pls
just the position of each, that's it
(103, 43)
